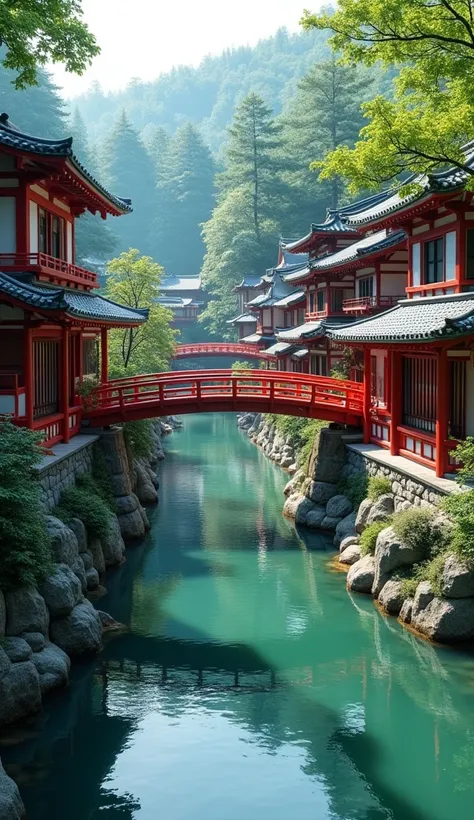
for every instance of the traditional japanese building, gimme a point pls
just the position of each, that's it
(418, 356)
(53, 323)
(184, 296)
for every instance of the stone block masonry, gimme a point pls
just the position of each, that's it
(59, 471)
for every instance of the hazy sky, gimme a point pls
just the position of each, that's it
(143, 38)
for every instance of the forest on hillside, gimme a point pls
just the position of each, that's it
(216, 159)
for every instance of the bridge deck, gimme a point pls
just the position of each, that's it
(159, 394)
(199, 349)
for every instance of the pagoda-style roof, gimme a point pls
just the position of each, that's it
(414, 320)
(427, 185)
(300, 353)
(243, 319)
(365, 248)
(72, 304)
(278, 290)
(279, 349)
(176, 283)
(249, 281)
(255, 338)
(292, 299)
(309, 330)
(57, 157)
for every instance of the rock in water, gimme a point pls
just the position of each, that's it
(391, 597)
(61, 591)
(350, 555)
(361, 575)
(20, 693)
(457, 580)
(338, 507)
(11, 804)
(80, 632)
(53, 667)
(3, 614)
(446, 620)
(63, 541)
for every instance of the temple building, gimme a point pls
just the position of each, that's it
(53, 323)
(184, 296)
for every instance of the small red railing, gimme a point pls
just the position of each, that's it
(316, 314)
(368, 303)
(48, 265)
(219, 349)
(220, 390)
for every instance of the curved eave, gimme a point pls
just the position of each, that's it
(406, 210)
(354, 264)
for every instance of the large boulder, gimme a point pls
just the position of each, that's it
(391, 554)
(391, 597)
(11, 804)
(113, 545)
(304, 507)
(348, 541)
(328, 456)
(423, 596)
(79, 571)
(95, 548)
(360, 577)
(294, 484)
(338, 507)
(92, 579)
(80, 632)
(61, 591)
(20, 694)
(350, 555)
(447, 620)
(26, 611)
(329, 523)
(406, 611)
(290, 507)
(5, 663)
(381, 509)
(17, 649)
(35, 640)
(345, 529)
(132, 525)
(145, 490)
(79, 529)
(321, 491)
(63, 541)
(457, 580)
(3, 614)
(363, 514)
(53, 667)
(314, 518)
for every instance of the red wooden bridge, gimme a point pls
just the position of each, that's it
(216, 391)
(193, 351)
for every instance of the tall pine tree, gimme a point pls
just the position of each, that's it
(186, 199)
(96, 243)
(37, 110)
(129, 173)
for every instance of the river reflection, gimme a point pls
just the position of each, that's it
(251, 685)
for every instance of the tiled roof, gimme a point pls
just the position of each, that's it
(310, 330)
(279, 349)
(172, 283)
(301, 353)
(11, 137)
(249, 281)
(358, 250)
(255, 338)
(176, 301)
(292, 299)
(243, 319)
(414, 320)
(278, 290)
(73, 303)
(451, 179)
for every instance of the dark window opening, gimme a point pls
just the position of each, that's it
(457, 399)
(366, 287)
(337, 298)
(90, 357)
(434, 261)
(420, 389)
(469, 254)
(45, 363)
(321, 300)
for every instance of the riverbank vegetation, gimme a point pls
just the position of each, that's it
(25, 546)
(301, 431)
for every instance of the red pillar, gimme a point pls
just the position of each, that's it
(442, 413)
(29, 376)
(367, 394)
(64, 385)
(104, 356)
(396, 398)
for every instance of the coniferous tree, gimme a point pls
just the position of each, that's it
(325, 113)
(157, 142)
(186, 199)
(129, 173)
(36, 110)
(95, 241)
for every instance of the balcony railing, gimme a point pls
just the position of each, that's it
(44, 264)
(316, 314)
(367, 304)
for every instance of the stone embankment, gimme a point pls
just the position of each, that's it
(276, 446)
(42, 629)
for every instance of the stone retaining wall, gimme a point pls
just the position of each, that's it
(57, 477)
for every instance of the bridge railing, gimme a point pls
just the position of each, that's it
(219, 349)
(209, 386)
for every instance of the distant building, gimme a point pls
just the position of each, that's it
(184, 296)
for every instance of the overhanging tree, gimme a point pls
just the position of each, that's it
(431, 116)
(134, 280)
(36, 32)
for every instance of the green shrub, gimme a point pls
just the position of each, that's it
(431, 571)
(415, 527)
(82, 502)
(25, 548)
(378, 486)
(464, 453)
(368, 539)
(301, 431)
(460, 508)
(354, 488)
(138, 438)
(237, 366)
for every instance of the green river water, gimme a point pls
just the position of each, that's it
(250, 684)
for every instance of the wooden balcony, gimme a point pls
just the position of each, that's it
(48, 268)
(316, 315)
(370, 304)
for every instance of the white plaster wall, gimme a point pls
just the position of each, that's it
(393, 284)
(416, 264)
(470, 399)
(7, 224)
(33, 227)
(69, 257)
(267, 318)
(450, 252)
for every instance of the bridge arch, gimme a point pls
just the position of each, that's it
(217, 391)
(202, 349)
